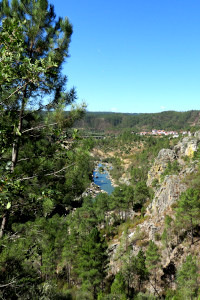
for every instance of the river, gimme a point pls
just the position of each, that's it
(102, 178)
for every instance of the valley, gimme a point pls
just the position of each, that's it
(99, 205)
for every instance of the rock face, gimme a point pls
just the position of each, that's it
(160, 164)
(166, 155)
(187, 146)
(167, 194)
(172, 186)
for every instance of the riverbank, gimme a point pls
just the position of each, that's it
(93, 190)
(102, 180)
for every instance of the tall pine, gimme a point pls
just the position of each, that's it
(92, 262)
(187, 278)
(188, 211)
(153, 263)
(34, 162)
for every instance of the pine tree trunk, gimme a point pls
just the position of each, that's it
(15, 151)
(3, 223)
(192, 235)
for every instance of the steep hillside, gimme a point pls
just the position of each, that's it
(168, 120)
(140, 242)
(169, 227)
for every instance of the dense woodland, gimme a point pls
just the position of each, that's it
(55, 243)
(115, 122)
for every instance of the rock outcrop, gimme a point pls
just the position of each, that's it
(160, 164)
(167, 194)
(187, 146)
(167, 190)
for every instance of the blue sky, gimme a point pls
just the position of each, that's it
(134, 55)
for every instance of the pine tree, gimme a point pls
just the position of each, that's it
(134, 271)
(34, 45)
(153, 263)
(37, 56)
(187, 278)
(188, 211)
(118, 201)
(101, 206)
(141, 269)
(92, 262)
(166, 235)
(118, 288)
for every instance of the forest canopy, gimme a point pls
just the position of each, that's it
(167, 120)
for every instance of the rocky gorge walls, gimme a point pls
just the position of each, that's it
(168, 187)
(168, 177)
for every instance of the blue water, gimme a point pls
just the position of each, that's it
(103, 180)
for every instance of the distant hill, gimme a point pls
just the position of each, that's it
(113, 122)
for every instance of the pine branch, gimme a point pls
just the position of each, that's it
(16, 91)
(49, 174)
(38, 127)
(54, 173)
(7, 284)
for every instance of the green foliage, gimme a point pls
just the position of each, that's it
(101, 206)
(52, 241)
(145, 296)
(196, 155)
(141, 193)
(168, 120)
(153, 263)
(118, 288)
(134, 271)
(45, 166)
(118, 199)
(30, 254)
(33, 50)
(15, 66)
(155, 182)
(101, 170)
(152, 256)
(187, 278)
(172, 168)
(167, 232)
(117, 170)
(92, 261)
(188, 210)
(171, 294)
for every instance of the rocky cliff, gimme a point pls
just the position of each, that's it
(167, 190)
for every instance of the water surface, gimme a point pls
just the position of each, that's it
(102, 179)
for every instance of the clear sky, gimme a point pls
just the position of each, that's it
(134, 55)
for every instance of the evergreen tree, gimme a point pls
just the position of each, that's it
(188, 211)
(34, 45)
(141, 194)
(141, 269)
(129, 194)
(39, 150)
(118, 288)
(92, 262)
(153, 263)
(134, 271)
(118, 201)
(187, 278)
(166, 235)
(30, 256)
(101, 206)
